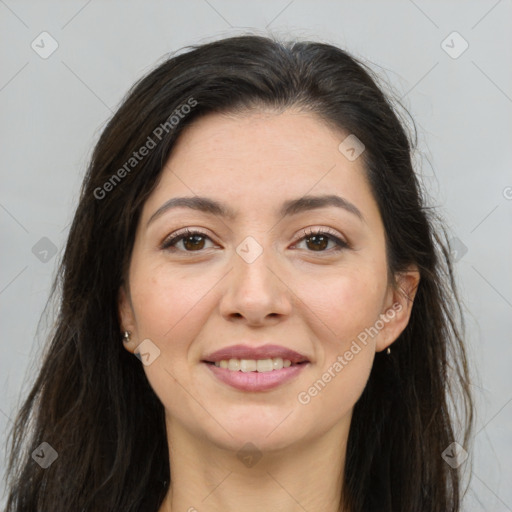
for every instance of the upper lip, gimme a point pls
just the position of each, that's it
(248, 352)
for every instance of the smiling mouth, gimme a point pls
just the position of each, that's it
(254, 365)
(255, 375)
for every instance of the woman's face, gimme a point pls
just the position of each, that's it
(258, 278)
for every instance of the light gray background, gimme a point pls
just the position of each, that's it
(54, 109)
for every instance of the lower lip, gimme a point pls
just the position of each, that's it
(256, 381)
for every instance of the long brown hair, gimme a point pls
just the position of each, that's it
(91, 400)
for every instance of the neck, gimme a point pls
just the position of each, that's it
(209, 478)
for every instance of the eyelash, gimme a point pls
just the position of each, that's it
(180, 235)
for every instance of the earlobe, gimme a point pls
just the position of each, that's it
(398, 313)
(129, 342)
(126, 320)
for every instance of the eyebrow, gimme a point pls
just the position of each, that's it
(290, 207)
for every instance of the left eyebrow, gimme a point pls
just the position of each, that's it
(288, 208)
(294, 206)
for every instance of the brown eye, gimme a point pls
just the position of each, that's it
(193, 241)
(318, 241)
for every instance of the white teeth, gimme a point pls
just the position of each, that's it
(264, 365)
(277, 363)
(254, 365)
(248, 365)
(233, 365)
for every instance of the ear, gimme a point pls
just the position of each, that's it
(398, 307)
(127, 319)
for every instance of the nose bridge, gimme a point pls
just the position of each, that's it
(252, 261)
(254, 290)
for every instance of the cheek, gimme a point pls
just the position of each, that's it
(347, 306)
(168, 303)
(344, 302)
(333, 392)
(171, 310)
(344, 305)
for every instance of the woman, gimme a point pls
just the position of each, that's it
(252, 230)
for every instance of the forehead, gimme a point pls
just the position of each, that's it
(254, 160)
(281, 140)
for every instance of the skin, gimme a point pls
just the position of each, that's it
(193, 301)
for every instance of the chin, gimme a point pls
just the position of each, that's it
(264, 429)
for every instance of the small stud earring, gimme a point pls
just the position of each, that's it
(388, 351)
(126, 336)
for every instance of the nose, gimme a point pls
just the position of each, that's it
(255, 291)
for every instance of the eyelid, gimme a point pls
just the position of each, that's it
(177, 236)
(340, 241)
(319, 230)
